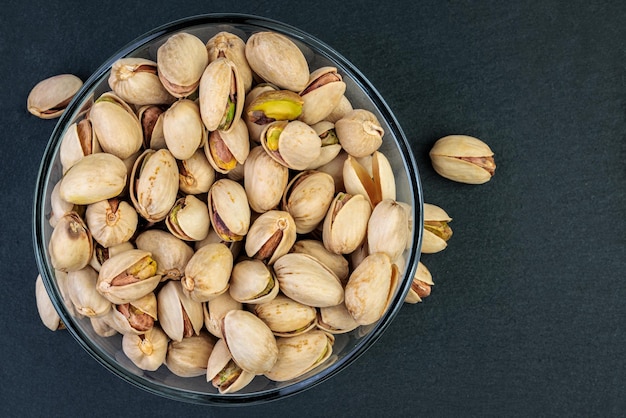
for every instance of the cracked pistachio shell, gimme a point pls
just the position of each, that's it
(180, 63)
(336, 319)
(306, 280)
(135, 80)
(436, 229)
(336, 262)
(227, 149)
(190, 356)
(359, 132)
(101, 254)
(286, 317)
(293, 144)
(307, 199)
(270, 236)
(420, 287)
(196, 175)
(135, 317)
(370, 288)
(322, 94)
(79, 140)
(49, 98)
(47, 312)
(265, 180)
(179, 315)
(154, 184)
(223, 372)
(189, 219)
(81, 286)
(250, 342)
(387, 230)
(345, 224)
(94, 178)
(232, 47)
(70, 244)
(151, 120)
(208, 272)
(221, 95)
(330, 144)
(255, 126)
(253, 282)
(214, 311)
(229, 210)
(463, 158)
(147, 351)
(170, 253)
(111, 221)
(342, 109)
(300, 354)
(59, 207)
(277, 60)
(116, 126)
(183, 129)
(372, 176)
(127, 276)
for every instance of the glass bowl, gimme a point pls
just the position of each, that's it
(347, 347)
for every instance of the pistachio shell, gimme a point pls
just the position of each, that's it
(322, 94)
(214, 311)
(251, 343)
(135, 317)
(293, 144)
(181, 61)
(336, 319)
(196, 175)
(189, 356)
(342, 109)
(300, 354)
(151, 120)
(271, 235)
(170, 253)
(223, 372)
(111, 221)
(277, 60)
(307, 199)
(345, 225)
(147, 351)
(463, 158)
(420, 288)
(79, 140)
(94, 178)
(208, 271)
(308, 281)
(336, 262)
(179, 315)
(330, 144)
(359, 132)
(70, 244)
(59, 207)
(286, 317)
(189, 219)
(83, 294)
(221, 95)
(183, 129)
(436, 230)
(101, 254)
(47, 312)
(229, 210)
(225, 149)
(229, 45)
(253, 282)
(49, 98)
(264, 180)
(335, 169)
(135, 80)
(387, 230)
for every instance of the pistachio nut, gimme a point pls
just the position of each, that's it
(330, 144)
(387, 230)
(70, 244)
(196, 175)
(300, 354)
(189, 357)
(306, 280)
(271, 105)
(47, 312)
(336, 262)
(128, 276)
(221, 95)
(322, 94)
(148, 350)
(135, 80)
(230, 46)
(116, 125)
(270, 236)
(222, 371)
(79, 140)
(208, 271)
(135, 317)
(214, 311)
(154, 184)
(286, 317)
(170, 253)
(463, 158)
(437, 232)
(81, 287)
(94, 178)
(226, 149)
(183, 129)
(250, 342)
(345, 224)
(307, 198)
(293, 144)
(179, 315)
(111, 221)
(189, 219)
(253, 282)
(277, 60)
(264, 180)
(256, 125)
(370, 288)
(181, 61)
(336, 319)
(359, 132)
(229, 210)
(420, 287)
(49, 98)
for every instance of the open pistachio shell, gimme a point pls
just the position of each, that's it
(79, 140)
(70, 245)
(229, 210)
(232, 47)
(214, 311)
(359, 132)
(436, 229)
(271, 235)
(59, 207)
(336, 319)
(221, 95)
(265, 180)
(330, 144)
(253, 282)
(300, 354)
(208, 271)
(251, 342)
(293, 144)
(463, 158)
(47, 313)
(420, 288)
(82, 292)
(223, 373)
(135, 317)
(170, 253)
(189, 357)
(371, 176)
(94, 178)
(226, 149)
(49, 98)
(196, 175)
(180, 63)
(151, 120)
(189, 219)
(307, 199)
(286, 317)
(147, 351)
(322, 94)
(336, 262)
(179, 315)
(135, 80)
(345, 224)
(342, 109)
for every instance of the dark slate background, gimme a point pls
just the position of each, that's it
(528, 313)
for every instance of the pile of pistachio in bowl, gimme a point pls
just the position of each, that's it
(222, 208)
